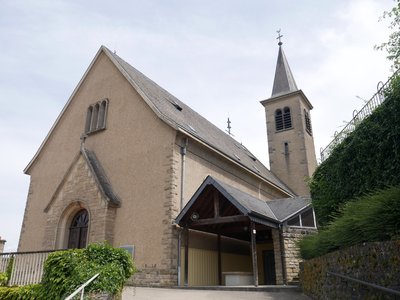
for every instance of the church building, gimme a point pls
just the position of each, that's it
(128, 163)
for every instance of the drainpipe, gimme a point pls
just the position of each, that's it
(183, 154)
(283, 255)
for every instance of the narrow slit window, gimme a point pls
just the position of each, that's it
(307, 122)
(286, 148)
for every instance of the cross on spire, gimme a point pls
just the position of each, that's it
(279, 36)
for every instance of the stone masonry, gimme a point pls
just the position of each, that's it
(291, 236)
(78, 190)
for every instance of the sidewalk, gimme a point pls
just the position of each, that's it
(143, 293)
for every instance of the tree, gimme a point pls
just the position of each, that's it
(392, 46)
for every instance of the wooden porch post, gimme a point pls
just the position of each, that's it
(219, 260)
(186, 257)
(254, 253)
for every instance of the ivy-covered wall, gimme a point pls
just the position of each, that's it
(377, 263)
(367, 160)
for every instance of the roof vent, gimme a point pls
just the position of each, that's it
(175, 104)
(237, 156)
(191, 128)
(256, 169)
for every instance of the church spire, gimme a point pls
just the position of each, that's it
(284, 81)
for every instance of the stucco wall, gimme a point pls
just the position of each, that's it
(377, 263)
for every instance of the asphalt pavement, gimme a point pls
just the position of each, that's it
(145, 293)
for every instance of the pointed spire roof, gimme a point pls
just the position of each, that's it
(284, 81)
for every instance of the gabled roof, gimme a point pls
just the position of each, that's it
(182, 118)
(284, 82)
(98, 174)
(270, 213)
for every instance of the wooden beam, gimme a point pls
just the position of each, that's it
(220, 220)
(216, 204)
(186, 274)
(254, 253)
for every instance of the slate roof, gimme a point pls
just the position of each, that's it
(265, 212)
(181, 117)
(284, 82)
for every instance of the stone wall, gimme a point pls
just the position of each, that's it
(291, 235)
(377, 263)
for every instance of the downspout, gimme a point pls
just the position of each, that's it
(183, 154)
(283, 255)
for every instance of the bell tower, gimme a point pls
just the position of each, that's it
(290, 137)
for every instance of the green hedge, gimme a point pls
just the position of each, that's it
(65, 271)
(366, 161)
(371, 218)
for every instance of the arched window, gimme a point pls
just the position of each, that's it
(287, 118)
(78, 230)
(308, 122)
(278, 120)
(96, 116)
(88, 118)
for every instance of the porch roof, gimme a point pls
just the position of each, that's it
(234, 205)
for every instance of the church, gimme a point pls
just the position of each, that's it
(128, 163)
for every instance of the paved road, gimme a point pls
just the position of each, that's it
(142, 293)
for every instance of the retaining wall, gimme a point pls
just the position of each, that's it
(377, 263)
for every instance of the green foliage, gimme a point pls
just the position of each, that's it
(65, 271)
(28, 292)
(3, 279)
(367, 160)
(392, 46)
(9, 268)
(375, 217)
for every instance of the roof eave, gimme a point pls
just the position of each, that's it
(285, 95)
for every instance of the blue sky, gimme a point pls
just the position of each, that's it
(216, 56)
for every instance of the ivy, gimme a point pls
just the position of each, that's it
(366, 161)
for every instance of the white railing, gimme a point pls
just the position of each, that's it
(27, 267)
(82, 288)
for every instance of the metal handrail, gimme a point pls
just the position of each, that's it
(377, 99)
(82, 288)
(375, 286)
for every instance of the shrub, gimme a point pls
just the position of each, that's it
(3, 279)
(65, 271)
(374, 217)
(28, 292)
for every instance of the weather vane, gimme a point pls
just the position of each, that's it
(279, 36)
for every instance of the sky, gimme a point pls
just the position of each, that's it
(217, 56)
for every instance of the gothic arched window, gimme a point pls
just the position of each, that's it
(78, 230)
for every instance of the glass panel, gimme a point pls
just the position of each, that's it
(294, 222)
(307, 218)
